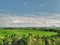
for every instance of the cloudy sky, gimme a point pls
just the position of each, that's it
(29, 13)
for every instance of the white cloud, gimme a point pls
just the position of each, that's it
(33, 21)
(42, 5)
(3, 10)
(25, 3)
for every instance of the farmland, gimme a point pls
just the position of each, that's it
(29, 36)
(23, 31)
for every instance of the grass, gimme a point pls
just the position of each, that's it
(20, 32)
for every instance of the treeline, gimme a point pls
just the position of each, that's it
(34, 28)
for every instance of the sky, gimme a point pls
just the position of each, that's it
(29, 6)
(29, 13)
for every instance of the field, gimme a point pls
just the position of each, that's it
(20, 32)
(29, 36)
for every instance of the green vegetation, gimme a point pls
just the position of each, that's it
(29, 36)
(20, 32)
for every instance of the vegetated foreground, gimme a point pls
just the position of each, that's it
(28, 37)
(20, 32)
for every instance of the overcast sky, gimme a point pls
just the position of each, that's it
(21, 13)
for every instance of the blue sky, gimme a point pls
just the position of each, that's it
(29, 13)
(29, 6)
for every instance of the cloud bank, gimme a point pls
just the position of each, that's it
(32, 20)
